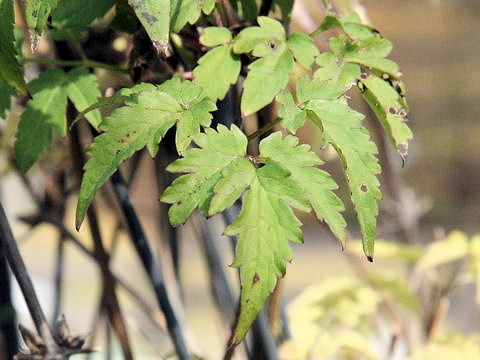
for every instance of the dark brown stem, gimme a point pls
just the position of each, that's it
(18, 268)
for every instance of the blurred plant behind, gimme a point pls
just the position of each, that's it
(395, 309)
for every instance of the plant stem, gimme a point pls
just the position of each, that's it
(84, 63)
(264, 129)
(9, 245)
(151, 267)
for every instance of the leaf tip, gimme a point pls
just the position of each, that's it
(370, 258)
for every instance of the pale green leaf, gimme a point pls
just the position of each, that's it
(396, 290)
(270, 31)
(216, 71)
(44, 112)
(143, 122)
(71, 18)
(155, 18)
(453, 247)
(317, 90)
(385, 102)
(214, 36)
(216, 152)
(304, 49)
(335, 72)
(264, 227)
(292, 117)
(83, 91)
(10, 70)
(266, 78)
(344, 130)
(317, 185)
(118, 98)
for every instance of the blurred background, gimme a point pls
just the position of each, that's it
(437, 45)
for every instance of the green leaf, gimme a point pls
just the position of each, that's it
(71, 18)
(155, 18)
(385, 102)
(264, 227)
(44, 112)
(304, 49)
(344, 130)
(5, 93)
(292, 117)
(119, 98)
(37, 13)
(188, 11)
(350, 24)
(249, 9)
(317, 185)
(249, 38)
(214, 36)
(286, 7)
(218, 68)
(83, 91)
(143, 122)
(10, 70)
(454, 247)
(336, 72)
(206, 166)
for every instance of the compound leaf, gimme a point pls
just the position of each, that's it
(10, 70)
(143, 122)
(83, 90)
(44, 112)
(155, 18)
(317, 185)
(264, 227)
(218, 68)
(344, 130)
(217, 151)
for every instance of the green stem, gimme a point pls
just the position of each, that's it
(84, 63)
(263, 129)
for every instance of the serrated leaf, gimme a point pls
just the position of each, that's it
(214, 36)
(304, 49)
(5, 93)
(71, 18)
(249, 38)
(10, 70)
(143, 122)
(118, 98)
(83, 91)
(344, 130)
(266, 77)
(264, 227)
(385, 103)
(37, 13)
(155, 18)
(188, 11)
(329, 22)
(350, 24)
(335, 72)
(44, 112)
(292, 117)
(216, 71)
(454, 247)
(317, 185)
(217, 151)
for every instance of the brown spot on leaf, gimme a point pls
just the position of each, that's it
(364, 188)
(391, 110)
(117, 152)
(256, 279)
(121, 141)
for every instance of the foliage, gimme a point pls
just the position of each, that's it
(217, 168)
(345, 316)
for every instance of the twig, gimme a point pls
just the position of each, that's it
(263, 129)
(83, 63)
(151, 267)
(18, 268)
